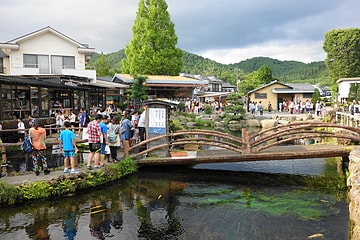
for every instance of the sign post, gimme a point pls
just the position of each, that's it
(157, 123)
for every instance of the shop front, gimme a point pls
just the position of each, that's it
(43, 96)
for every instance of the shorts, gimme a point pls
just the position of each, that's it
(69, 153)
(94, 147)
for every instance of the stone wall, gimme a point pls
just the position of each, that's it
(353, 182)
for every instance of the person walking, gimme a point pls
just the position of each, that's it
(21, 130)
(31, 120)
(103, 140)
(68, 148)
(94, 133)
(72, 119)
(83, 119)
(142, 125)
(125, 130)
(38, 137)
(114, 138)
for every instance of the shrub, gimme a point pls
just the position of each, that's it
(9, 194)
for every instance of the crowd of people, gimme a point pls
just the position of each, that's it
(300, 107)
(106, 133)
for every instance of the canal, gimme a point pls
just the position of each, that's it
(292, 199)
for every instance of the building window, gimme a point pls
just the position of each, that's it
(215, 87)
(68, 62)
(307, 95)
(62, 62)
(30, 61)
(37, 61)
(260, 95)
(2, 70)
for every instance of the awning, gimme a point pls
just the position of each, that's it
(109, 85)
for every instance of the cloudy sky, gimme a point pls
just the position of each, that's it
(227, 31)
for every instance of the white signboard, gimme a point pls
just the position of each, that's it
(157, 120)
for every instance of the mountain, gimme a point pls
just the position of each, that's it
(284, 71)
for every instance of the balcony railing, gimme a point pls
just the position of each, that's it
(36, 69)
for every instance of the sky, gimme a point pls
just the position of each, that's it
(226, 31)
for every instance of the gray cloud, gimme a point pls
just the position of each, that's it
(207, 27)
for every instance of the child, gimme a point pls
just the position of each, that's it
(68, 147)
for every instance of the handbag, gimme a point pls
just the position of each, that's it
(96, 146)
(107, 149)
(27, 146)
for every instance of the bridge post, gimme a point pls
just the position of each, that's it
(246, 136)
(4, 165)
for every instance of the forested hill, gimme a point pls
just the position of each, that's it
(285, 71)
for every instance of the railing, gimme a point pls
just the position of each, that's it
(348, 119)
(49, 143)
(251, 143)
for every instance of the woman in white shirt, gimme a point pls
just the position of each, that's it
(21, 130)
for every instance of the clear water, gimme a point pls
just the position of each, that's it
(257, 200)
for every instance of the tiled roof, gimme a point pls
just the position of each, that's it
(160, 79)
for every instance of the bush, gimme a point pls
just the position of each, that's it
(9, 194)
(181, 107)
(208, 109)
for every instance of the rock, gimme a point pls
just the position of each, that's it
(268, 123)
(253, 123)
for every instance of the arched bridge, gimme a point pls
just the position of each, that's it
(269, 144)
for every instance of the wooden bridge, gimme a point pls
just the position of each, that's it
(276, 143)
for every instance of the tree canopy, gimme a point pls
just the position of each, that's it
(152, 49)
(255, 79)
(343, 53)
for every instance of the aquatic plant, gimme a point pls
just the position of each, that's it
(35, 190)
(9, 194)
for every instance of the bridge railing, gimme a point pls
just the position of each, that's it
(194, 137)
(253, 143)
(52, 139)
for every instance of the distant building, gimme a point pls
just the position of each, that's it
(216, 89)
(276, 92)
(344, 85)
(166, 87)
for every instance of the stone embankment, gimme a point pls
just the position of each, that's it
(353, 182)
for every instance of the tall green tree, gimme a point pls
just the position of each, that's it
(102, 66)
(265, 74)
(315, 96)
(343, 53)
(255, 79)
(152, 49)
(138, 90)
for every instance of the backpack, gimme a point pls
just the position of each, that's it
(112, 136)
(27, 146)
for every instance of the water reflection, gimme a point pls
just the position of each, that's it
(187, 204)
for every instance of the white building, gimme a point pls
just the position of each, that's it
(344, 85)
(46, 51)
